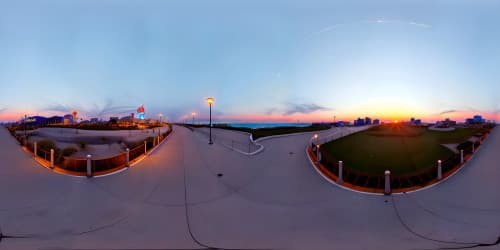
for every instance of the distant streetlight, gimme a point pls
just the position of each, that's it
(25, 117)
(193, 114)
(210, 101)
(160, 115)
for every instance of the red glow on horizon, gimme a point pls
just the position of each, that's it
(302, 118)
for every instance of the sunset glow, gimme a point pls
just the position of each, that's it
(392, 65)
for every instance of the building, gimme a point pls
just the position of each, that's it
(141, 113)
(376, 122)
(359, 122)
(68, 119)
(55, 120)
(94, 120)
(416, 122)
(113, 120)
(368, 121)
(33, 122)
(126, 120)
(476, 120)
(446, 123)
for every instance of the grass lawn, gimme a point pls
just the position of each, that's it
(399, 148)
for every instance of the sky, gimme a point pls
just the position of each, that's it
(275, 61)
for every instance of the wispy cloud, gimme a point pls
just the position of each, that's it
(329, 28)
(376, 21)
(96, 111)
(448, 111)
(304, 108)
(3, 109)
(404, 22)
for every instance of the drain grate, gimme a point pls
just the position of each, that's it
(219, 175)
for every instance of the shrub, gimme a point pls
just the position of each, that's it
(46, 145)
(82, 144)
(69, 151)
(134, 144)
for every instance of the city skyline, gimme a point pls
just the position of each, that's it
(308, 61)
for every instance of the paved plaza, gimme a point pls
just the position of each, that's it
(190, 195)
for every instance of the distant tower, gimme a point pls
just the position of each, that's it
(141, 112)
(74, 113)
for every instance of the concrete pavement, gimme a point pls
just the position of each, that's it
(190, 195)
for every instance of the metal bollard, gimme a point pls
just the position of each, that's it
(51, 158)
(145, 147)
(439, 171)
(387, 189)
(89, 166)
(34, 149)
(127, 158)
(461, 156)
(473, 147)
(340, 180)
(318, 155)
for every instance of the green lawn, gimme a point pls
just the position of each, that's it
(399, 148)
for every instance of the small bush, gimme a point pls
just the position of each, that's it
(82, 144)
(46, 145)
(69, 151)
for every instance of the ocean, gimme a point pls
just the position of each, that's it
(268, 125)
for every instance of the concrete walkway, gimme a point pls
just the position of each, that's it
(191, 195)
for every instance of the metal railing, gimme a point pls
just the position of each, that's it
(418, 178)
(79, 165)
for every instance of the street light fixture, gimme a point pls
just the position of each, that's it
(25, 117)
(210, 101)
(193, 114)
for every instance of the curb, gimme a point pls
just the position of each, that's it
(261, 147)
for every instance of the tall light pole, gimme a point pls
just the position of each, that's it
(160, 115)
(210, 101)
(193, 114)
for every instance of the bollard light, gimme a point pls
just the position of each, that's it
(387, 188)
(89, 166)
(339, 179)
(439, 171)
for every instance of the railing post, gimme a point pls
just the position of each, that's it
(387, 189)
(127, 158)
(145, 147)
(34, 149)
(439, 171)
(461, 156)
(89, 166)
(339, 179)
(51, 158)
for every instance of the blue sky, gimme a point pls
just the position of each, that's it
(261, 60)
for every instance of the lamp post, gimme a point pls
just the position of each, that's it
(210, 101)
(193, 114)
(160, 115)
(26, 117)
